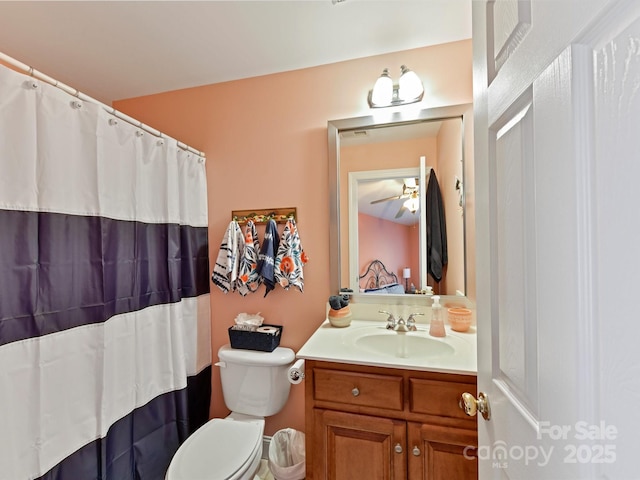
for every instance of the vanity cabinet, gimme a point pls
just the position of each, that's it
(385, 423)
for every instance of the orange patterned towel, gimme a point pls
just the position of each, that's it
(248, 277)
(290, 258)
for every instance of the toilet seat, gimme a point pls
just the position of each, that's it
(219, 450)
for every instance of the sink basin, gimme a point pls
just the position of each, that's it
(404, 345)
(416, 345)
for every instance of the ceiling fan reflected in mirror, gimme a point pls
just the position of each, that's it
(410, 192)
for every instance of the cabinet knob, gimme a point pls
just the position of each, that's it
(416, 451)
(355, 392)
(398, 448)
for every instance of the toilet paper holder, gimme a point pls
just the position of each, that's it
(296, 372)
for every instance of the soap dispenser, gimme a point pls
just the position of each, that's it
(436, 327)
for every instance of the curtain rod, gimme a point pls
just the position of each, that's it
(73, 91)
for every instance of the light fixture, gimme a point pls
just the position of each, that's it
(406, 274)
(411, 183)
(412, 203)
(410, 87)
(386, 94)
(382, 93)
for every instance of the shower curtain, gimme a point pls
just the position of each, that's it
(105, 357)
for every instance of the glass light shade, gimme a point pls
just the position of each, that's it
(409, 86)
(410, 183)
(406, 273)
(382, 93)
(412, 204)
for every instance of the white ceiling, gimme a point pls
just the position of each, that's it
(376, 190)
(116, 49)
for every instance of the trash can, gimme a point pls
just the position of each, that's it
(286, 455)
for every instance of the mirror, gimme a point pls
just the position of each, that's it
(373, 162)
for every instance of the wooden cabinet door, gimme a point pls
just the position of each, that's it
(351, 446)
(441, 453)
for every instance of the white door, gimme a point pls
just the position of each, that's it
(557, 178)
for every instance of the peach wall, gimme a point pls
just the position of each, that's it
(450, 167)
(266, 144)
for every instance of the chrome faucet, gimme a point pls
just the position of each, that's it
(400, 325)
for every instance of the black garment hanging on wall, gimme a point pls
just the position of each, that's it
(436, 230)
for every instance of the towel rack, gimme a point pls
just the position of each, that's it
(263, 215)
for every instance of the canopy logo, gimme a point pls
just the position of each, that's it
(581, 442)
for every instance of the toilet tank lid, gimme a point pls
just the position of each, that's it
(280, 356)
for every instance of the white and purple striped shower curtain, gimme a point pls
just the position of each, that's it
(105, 355)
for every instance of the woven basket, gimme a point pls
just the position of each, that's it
(459, 319)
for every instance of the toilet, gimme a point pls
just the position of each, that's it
(255, 385)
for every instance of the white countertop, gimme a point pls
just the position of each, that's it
(339, 345)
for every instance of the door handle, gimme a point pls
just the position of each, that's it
(471, 406)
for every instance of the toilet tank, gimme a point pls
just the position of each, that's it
(255, 383)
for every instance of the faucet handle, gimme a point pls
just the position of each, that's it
(411, 321)
(391, 319)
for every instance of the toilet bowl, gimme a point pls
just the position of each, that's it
(254, 384)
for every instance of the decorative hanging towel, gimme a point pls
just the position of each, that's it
(248, 278)
(225, 271)
(290, 258)
(267, 256)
